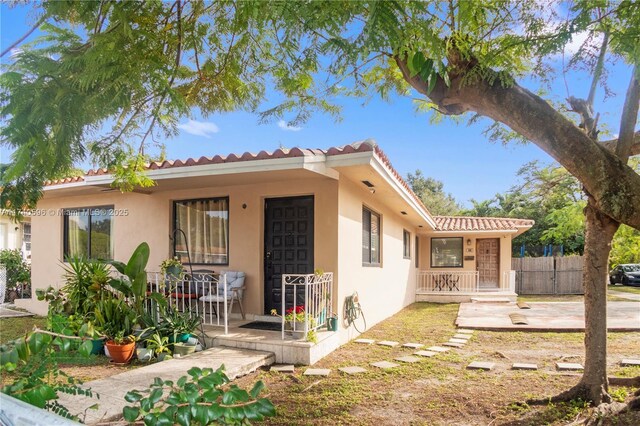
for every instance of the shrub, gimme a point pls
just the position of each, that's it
(18, 271)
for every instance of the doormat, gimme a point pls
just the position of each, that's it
(263, 325)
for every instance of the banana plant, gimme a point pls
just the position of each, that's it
(133, 280)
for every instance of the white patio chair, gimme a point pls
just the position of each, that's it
(235, 291)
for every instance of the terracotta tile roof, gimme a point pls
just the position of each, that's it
(468, 223)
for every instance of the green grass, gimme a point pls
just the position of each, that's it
(12, 328)
(625, 289)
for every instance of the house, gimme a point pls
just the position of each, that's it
(344, 210)
(15, 234)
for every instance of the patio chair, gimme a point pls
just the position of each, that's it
(235, 291)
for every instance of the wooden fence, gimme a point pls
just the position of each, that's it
(548, 275)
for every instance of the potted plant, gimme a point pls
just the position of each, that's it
(180, 325)
(295, 318)
(116, 318)
(159, 345)
(121, 347)
(181, 349)
(172, 268)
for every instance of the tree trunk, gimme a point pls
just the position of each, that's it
(598, 235)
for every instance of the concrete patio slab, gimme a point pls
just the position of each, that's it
(569, 366)
(237, 362)
(630, 362)
(317, 372)
(352, 370)
(413, 345)
(385, 365)
(478, 365)
(558, 316)
(10, 313)
(427, 354)
(523, 366)
(409, 359)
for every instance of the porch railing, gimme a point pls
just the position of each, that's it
(203, 295)
(460, 282)
(311, 292)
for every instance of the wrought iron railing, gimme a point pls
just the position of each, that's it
(314, 294)
(202, 294)
(460, 282)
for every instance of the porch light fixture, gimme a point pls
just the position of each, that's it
(468, 241)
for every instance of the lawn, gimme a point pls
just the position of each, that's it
(440, 391)
(625, 289)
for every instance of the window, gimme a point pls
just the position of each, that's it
(205, 224)
(417, 248)
(88, 232)
(446, 252)
(406, 244)
(370, 237)
(26, 236)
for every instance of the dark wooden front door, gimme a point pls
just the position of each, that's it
(488, 255)
(288, 247)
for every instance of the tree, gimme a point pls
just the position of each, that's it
(432, 195)
(459, 58)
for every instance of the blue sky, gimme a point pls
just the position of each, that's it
(459, 155)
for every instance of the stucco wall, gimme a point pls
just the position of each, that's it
(468, 265)
(10, 234)
(383, 290)
(149, 219)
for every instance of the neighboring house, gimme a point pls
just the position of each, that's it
(343, 210)
(16, 235)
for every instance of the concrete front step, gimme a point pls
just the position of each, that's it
(462, 297)
(237, 362)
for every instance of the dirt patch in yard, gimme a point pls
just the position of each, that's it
(440, 391)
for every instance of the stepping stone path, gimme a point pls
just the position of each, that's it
(569, 366)
(388, 343)
(461, 341)
(413, 345)
(317, 372)
(464, 331)
(427, 354)
(478, 365)
(410, 359)
(365, 341)
(352, 370)
(462, 336)
(437, 349)
(385, 365)
(630, 362)
(282, 368)
(454, 345)
(522, 366)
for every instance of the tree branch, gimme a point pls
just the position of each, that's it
(629, 117)
(27, 34)
(610, 145)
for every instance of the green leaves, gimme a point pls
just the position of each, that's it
(197, 399)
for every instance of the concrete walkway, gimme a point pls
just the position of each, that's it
(237, 362)
(624, 295)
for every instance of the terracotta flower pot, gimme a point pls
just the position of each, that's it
(121, 354)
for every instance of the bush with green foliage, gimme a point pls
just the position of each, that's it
(201, 398)
(18, 271)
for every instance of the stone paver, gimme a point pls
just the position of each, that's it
(464, 331)
(523, 366)
(317, 372)
(454, 345)
(352, 370)
(283, 368)
(10, 313)
(569, 366)
(461, 341)
(479, 365)
(629, 362)
(365, 341)
(462, 336)
(409, 359)
(385, 365)
(237, 362)
(427, 354)
(388, 343)
(437, 349)
(413, 345)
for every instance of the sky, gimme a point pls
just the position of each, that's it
(469, 165)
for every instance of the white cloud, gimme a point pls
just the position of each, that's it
(13, 53)
(284, 126)
(199, 128)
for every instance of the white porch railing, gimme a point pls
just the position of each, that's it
(190, 295)
(312, 292)
(460, 282)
